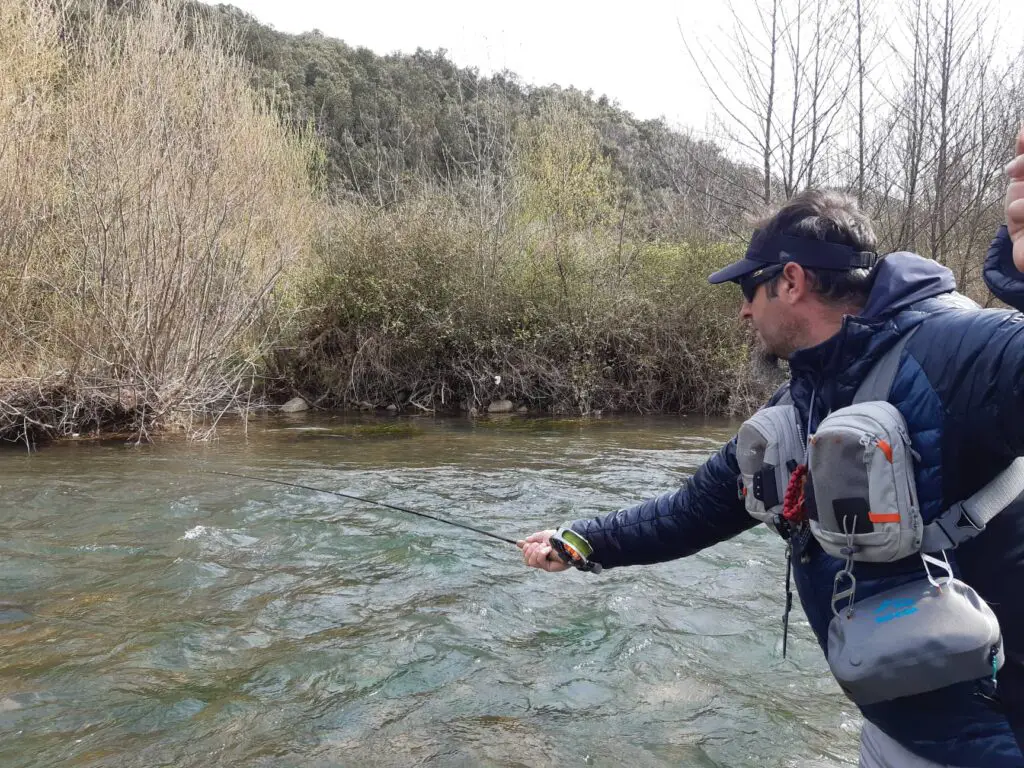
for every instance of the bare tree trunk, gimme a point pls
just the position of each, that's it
(860, 104)
(913, 115)
(769, 112)
(945, 61)
(794, 27)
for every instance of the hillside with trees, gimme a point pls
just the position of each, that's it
(202, 215)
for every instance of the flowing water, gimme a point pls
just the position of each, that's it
(155, 615)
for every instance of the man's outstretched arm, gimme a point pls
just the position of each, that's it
(705, 511)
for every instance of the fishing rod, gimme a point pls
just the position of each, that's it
(367, 501)
(569, 546)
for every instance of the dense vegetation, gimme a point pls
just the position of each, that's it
(200, 215)
(481, 228)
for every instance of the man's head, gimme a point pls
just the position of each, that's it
(808, 264)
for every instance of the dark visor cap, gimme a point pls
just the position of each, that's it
(782, 249)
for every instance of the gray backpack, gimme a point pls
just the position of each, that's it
(931, 632)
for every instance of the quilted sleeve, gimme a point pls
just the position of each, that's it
(1001, 276)
(705, 511)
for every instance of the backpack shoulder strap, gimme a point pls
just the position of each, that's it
(878, 382)
(966, 519)
(786, 398)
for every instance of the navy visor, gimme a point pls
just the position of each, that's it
(781, 249)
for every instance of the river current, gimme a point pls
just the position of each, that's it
(154, 614)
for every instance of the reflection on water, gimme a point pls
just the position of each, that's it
(153, 614)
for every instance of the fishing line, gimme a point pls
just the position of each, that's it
(366, 501)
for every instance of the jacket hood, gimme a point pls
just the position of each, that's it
(836, 366)
(902, 279)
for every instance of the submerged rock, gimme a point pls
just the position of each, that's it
(295, 405)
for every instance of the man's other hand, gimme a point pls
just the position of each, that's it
(1015, 203)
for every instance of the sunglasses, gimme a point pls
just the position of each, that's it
(749, 283)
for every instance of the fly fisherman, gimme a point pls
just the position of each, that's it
(888, 464)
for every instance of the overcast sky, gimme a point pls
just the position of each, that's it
(631, 51)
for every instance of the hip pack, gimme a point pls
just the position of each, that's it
(862, 506)
(918, 637)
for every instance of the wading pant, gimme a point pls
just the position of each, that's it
(880, 751)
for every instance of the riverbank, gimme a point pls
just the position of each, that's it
(34, 413)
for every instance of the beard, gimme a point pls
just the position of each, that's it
(765, 365)
(762, 359)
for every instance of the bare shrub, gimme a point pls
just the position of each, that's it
(179, 207)
(31, 64)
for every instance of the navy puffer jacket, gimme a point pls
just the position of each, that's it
(960, 387)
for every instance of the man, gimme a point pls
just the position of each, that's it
(959, 385)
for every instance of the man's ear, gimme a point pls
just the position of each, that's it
(793, 283)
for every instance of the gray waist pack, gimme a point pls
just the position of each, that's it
(919, 637)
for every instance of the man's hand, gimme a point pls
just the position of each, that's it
(537, 552)
(1015, 203)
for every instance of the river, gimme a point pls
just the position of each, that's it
(152, 614)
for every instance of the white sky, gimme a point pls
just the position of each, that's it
(630, 51)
